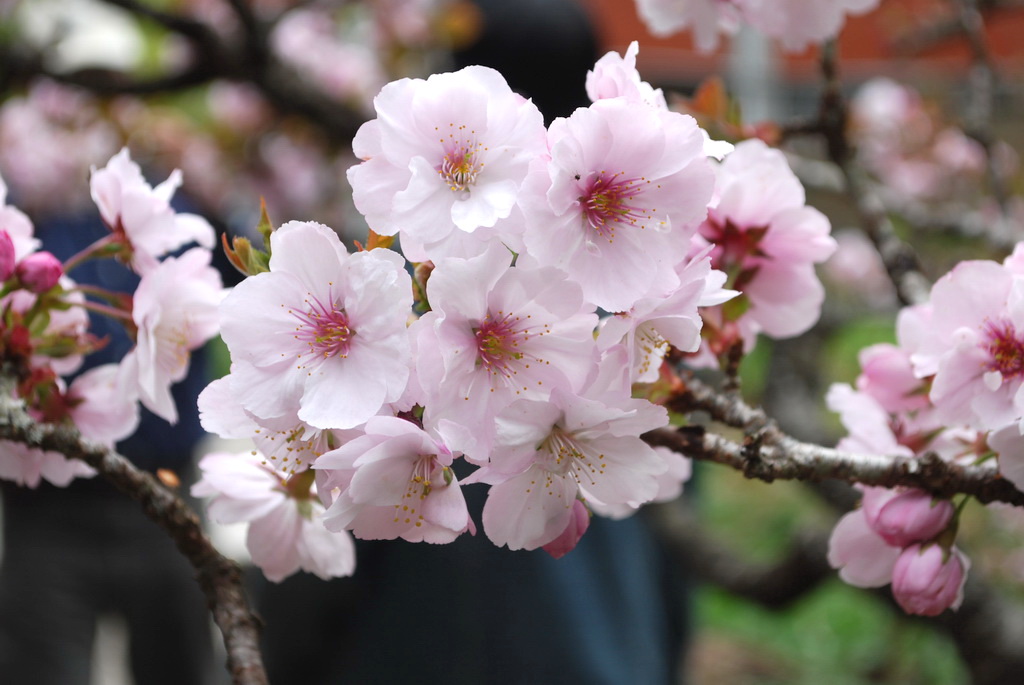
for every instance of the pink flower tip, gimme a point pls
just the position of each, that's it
(911, 516)
(928, 580)
(39, 271)
(567, 539)
(7, 258)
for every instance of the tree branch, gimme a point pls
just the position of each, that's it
(247, 58)
(980, 105)
(219, 578)
(795, 460)
(769, 454)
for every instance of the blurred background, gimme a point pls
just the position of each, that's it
(260, 98)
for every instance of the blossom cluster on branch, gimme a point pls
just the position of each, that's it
(555, 286)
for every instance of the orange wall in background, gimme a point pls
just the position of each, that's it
(871, 44)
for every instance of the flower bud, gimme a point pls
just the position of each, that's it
(928, 580)
(911, 516)
(567, 539)
(39, 271)
(6, 256)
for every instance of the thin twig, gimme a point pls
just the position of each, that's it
(900, 260)
(980, 106)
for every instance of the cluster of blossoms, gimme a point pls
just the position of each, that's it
(912, 152)
(519, 236)
(794, 23)
(952, 387)
(44, 330)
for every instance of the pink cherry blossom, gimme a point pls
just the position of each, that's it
(763, 232)
(678, 470)
(928, 579)
(175, 310)
(321, 335)
(615, 206)
(286, 532)
(7, 258)
(395, 481)
(888, 377)
(28, 466)
(708, 18)
(1008, 444)
(873, 430)
(858, 269)
(308, 38)
(141, 214)
(904, 517)
(863, 558)
(39, 271)
(101, 408)
(443, 155)
(654, 323)
(17, 226)
(971, 339)
(616, 76)
(799, 23)
(549, 453)
(288, 444)
(573, 533)
(496, 334)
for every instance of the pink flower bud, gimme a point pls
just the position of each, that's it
(39, 271)
(927, 581)
(567, 539)
(909, 517)
(6, 256)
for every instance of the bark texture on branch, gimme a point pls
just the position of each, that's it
(769, 454)
(219, 577)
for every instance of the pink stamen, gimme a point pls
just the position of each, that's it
(607, 202)
(1006, 348)
(324, 328)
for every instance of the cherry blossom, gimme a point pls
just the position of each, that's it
(17, 226)
(444, 154)
(799, 23)
(175, 310)
(39, 271)
(768, 239)
(708, 18)
(863, 558)
(971, 339)
(321, 335)
(927, 579)
(141, 215)
(615, 207)
(28, 466)
(100, 407)
(286, 532)
(652, 324)
(395, 481)
(547, 454)
(496, 334)
(288, 444)
(615, 75)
